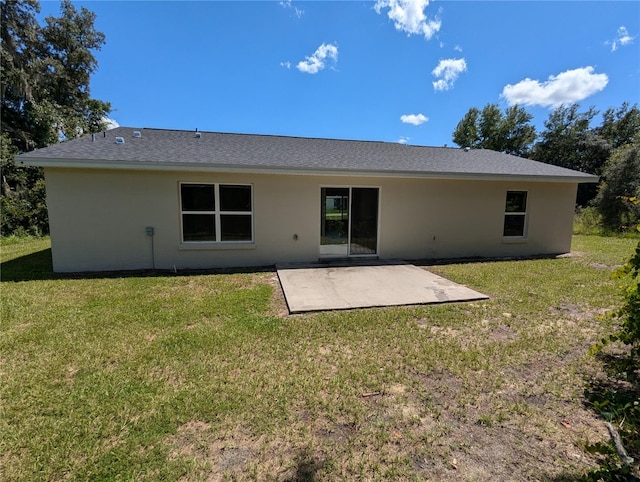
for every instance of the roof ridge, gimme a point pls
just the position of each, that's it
(282, 136)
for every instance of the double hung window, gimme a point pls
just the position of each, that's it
(515, 214)
(216, 212)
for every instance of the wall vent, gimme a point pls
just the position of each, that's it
(119, 140)
(137, 134)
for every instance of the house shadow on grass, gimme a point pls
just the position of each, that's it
(32, 267)
(38, 266)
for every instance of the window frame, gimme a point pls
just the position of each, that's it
(524, 214)
(217, 214)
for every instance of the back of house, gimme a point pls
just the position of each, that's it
(130, 199)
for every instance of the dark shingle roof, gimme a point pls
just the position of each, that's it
(172, 149)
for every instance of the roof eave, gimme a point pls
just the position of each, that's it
(199, 167)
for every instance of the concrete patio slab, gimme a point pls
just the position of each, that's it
(321, 286)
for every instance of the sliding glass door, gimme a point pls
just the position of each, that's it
(334, 222)
(364, 221)
(349, 221)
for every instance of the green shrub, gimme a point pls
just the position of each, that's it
(588, 221)
(620, 402)
(629, 312)
(620, 189)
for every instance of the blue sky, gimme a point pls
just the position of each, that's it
(389, 70)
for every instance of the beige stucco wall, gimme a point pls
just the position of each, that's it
(98, 219)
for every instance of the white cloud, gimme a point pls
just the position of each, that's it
(316, 62)
(565, 88)
(408, 16)
(403, 140)
(622, 39)
(415, 119)
(286, 65)
(447, 71)
(457, 48)
(296, 10)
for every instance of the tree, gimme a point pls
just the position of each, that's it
(22, 203)
(517, 133)
(620, 126)
(490, 132)
(569, 141)
(45, 78)
(509, 132)
(466, 132)
(20, 47)
(618, 199)
(71, 38)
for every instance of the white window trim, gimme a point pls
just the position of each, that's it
(520, 238)
(217, 213)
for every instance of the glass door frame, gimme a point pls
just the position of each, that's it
(348, 253)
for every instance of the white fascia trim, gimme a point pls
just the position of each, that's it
(198, 167)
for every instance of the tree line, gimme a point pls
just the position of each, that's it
(44, 79)
(572, 139)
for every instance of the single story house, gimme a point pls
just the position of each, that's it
(132, 199)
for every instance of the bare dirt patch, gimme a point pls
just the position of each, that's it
(503, 333)
(572, 254)
(501, 435)
(218, 456)
(578, 311)
(433, 425)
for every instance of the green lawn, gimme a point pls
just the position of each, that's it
(204, 377)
